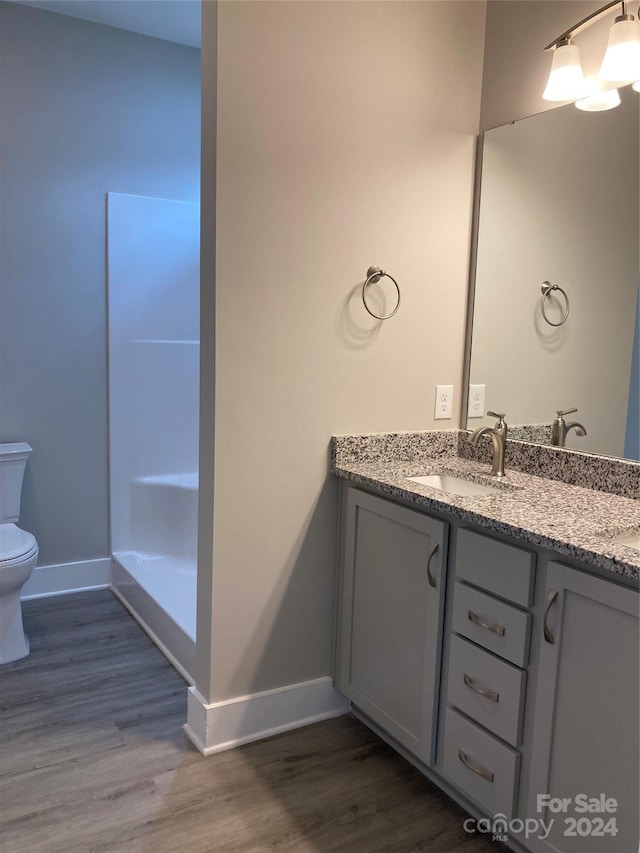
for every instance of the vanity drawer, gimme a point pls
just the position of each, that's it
(500, 707)
(495, 566)
(494, 624)
(486, 770)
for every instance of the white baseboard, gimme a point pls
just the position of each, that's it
(63, 578)
(224, 725)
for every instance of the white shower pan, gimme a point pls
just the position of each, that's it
(156, 579)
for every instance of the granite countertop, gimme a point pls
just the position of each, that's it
(572, 520)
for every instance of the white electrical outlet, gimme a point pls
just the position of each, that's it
(444, 402)
(475, 408)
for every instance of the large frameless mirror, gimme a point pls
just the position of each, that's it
(559, 203)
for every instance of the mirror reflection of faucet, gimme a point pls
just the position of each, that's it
(498, 435)
(559, 428)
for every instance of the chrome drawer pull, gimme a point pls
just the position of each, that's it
(485, 774)
(489, 694)
(496, 629)
(430, 577)
(553, 594)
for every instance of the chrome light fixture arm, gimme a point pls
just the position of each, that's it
(585, 23)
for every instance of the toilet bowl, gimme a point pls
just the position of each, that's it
(18, 552)
(18, 556)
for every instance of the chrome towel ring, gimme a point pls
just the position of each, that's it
(374, 274)
(547, 289)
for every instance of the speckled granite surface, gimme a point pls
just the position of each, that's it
(394, 446)
(602, 473)
(539, 433)
(571, 520)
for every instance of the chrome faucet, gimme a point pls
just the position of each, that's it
(559, 428)
(498, 435)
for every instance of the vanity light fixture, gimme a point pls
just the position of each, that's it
(622, 59)
(621, 63)
(566, 81)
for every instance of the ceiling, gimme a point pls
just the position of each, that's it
(171, 20)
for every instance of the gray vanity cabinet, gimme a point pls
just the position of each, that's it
(587, 720)
(390, 617)
(540, 689)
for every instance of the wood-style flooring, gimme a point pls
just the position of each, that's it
(93, 759)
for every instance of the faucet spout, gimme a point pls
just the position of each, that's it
(579, 428)
(477, 433)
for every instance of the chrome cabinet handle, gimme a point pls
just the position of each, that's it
(496, 629)
(489, 694)
(485, 774)
(430, 577)
(551, 597)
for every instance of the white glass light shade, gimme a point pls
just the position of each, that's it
(566, 80)
(622, 59)
(636, 86)
(599, 101)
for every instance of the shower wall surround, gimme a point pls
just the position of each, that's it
(153, 286)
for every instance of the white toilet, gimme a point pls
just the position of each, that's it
(18, 552)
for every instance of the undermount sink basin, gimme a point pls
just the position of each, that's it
(456, 485)
(631, 540)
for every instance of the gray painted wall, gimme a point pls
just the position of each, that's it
(337, 147)
(85, 109)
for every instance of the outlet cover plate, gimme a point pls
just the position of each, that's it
(444, 402)
(475, 408)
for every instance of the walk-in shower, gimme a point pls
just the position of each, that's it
(153, 301)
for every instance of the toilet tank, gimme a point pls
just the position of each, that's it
(13, 460)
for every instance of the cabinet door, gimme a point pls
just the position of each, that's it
(392, 597)
(587, 712)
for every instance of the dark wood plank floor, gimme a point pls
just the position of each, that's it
(93, 759)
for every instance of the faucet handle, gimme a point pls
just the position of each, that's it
(500, 417)
(566, 412)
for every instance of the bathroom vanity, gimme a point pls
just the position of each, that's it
(493, 639)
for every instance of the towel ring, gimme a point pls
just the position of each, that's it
(374, 274)
(547, 289)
